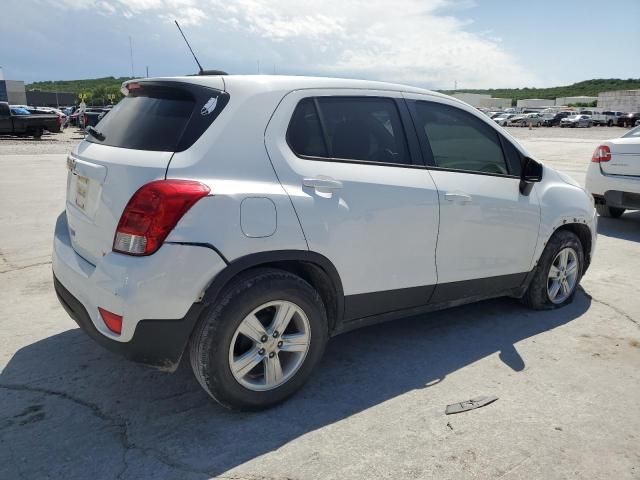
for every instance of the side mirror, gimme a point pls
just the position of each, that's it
(531, 173)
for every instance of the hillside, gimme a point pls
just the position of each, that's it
(98, 87)
(99, 91)
(77, 86)
(589, 88)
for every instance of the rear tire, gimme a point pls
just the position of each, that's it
(37, 133)
(607, 211)
(538, 294)
(218, 346)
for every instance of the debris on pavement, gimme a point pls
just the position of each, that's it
(470, 404)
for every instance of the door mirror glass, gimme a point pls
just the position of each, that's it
(531, 173)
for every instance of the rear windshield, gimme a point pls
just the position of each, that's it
(160, 117)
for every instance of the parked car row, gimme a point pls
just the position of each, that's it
(27, 120)
(565, 118)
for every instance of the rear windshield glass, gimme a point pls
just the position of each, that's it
(158, 117)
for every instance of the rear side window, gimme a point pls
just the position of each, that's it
(459, 140)
(160, 117)
(349, 128)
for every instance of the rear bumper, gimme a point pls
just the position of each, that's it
(615, 198)
(613, 190)
(157, 343)
(157, 296)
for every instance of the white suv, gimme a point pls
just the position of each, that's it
(243, 220)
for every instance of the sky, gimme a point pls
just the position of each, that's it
(437, 44)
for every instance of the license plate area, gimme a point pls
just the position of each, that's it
(82, 192)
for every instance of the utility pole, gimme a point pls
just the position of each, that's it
(131, 54)
(147, 71)
(258, 66)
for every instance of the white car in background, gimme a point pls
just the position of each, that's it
(613, 177)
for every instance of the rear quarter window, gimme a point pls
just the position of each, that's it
(161, 117)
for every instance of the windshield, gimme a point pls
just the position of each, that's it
(20, 111)
(633, 133)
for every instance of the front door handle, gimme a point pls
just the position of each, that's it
(458, 197)
(322, 183)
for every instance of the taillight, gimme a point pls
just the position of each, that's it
(152, 213)
(602, 154)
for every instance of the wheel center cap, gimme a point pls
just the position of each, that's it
(271, 345)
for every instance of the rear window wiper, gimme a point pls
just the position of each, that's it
(95, 133)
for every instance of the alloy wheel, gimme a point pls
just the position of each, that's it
(270, 345)
(563, 275)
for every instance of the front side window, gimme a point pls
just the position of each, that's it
(459, 140)
(349, 128)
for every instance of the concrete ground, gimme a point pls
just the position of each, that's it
(568, 381)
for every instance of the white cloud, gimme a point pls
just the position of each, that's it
(411, 41)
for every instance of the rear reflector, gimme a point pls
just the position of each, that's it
(602, 154)
(111, 320)
(152, 213)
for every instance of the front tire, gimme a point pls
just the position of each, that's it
(607, 211)
(557, 274)
(259, 343)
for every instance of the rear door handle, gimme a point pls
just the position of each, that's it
(322, 183)
(458, 197)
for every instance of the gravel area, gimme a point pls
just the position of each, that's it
(61, 142)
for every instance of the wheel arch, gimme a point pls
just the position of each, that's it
(315, 269)
(583, 232)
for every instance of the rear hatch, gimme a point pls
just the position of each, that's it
(625, 157)
(132, 146)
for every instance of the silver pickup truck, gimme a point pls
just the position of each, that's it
(606, 117)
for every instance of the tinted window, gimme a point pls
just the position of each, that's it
(160, 117)
(514, 157)
(349, 128)
(304, 134)
(459, 140)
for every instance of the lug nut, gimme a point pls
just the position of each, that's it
(271, 355)
(275, 334)
(263, 338)
(280, 344)
(261, 351)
